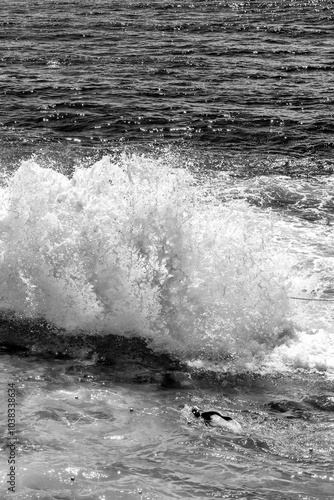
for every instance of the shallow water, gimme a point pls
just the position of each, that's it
(203, 269)
(84, 435)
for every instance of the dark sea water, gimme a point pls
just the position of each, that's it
(166, 241)
(234, 76)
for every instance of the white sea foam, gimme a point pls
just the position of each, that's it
(310, 350)
(135, 246)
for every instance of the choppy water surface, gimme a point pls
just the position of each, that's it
(205, 269)
(78, 438)
(166, 212)
(232, 75)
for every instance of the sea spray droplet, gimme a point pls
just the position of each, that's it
(132, 246)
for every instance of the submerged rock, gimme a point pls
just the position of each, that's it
(177, 380)
(322, 402)
(131, 357)
(290, 409)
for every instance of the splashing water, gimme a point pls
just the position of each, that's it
(135, 246)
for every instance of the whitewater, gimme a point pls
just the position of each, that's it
(166, 288)
(138, 246)
(166, 243)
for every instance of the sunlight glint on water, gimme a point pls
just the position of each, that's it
(203, 239)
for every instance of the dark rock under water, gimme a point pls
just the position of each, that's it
(38, 338)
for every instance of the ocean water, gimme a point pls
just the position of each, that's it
(166, 241)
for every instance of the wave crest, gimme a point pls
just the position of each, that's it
(135, 246)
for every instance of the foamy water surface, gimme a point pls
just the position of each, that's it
(166, 212)
(207, 270)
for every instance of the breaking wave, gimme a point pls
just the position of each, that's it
(136, 246)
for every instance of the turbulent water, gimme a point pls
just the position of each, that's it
(166, 211)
